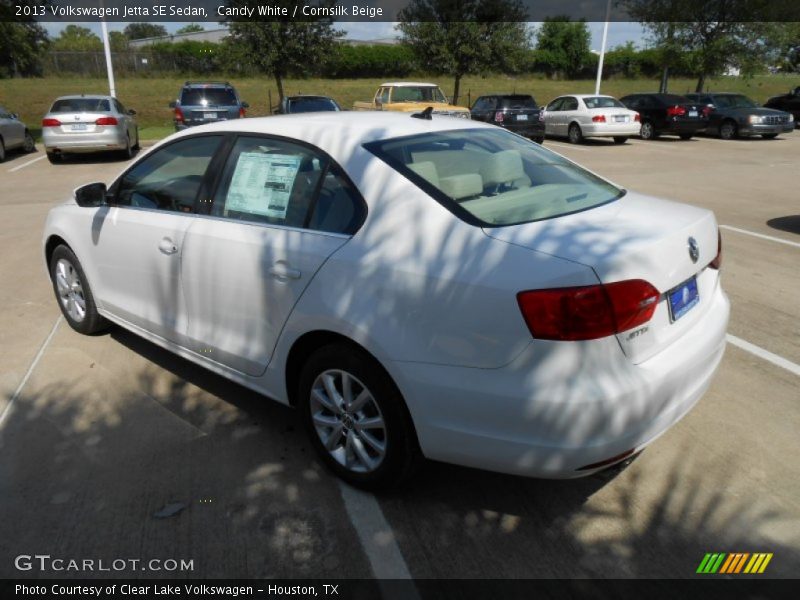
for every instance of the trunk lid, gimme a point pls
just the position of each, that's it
(78, 123)
(635, 237)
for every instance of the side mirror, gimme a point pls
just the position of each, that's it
(131, 112)
(245, 105)
(14, 116)
(91, 195)
(173, 104)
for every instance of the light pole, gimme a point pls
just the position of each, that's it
(109, 67)
(602, 49)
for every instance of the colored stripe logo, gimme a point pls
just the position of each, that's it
(734, 563)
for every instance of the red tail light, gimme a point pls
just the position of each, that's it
(541, 115)
(179, 115)
(717, 262)
(599, 119)
(637, 118)
(106, 121)
(588, 312)
(51, 123)
(676, 111)
(498, 117)
(707, 111)
(241, 113)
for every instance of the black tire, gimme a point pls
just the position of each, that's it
(574, 134)
(54, 157)
(620, 139)
(29, 145)
(769, 136)
(648, 131)
(539, 140)
(728, 130)
(128, 152)
(91, 321)
(2, 151)
(685, 136)
(401, 455)
(137, 146)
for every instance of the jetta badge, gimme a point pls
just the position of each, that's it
(694, 250)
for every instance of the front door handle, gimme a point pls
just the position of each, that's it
(282, 271)
(167, 246)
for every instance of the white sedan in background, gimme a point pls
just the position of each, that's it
(416, 287)
(579, 116)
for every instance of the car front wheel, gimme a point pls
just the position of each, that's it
(356, 418)
(647, 131)
(574, 134)
(30, 144)
(727, 131)
(2, 151)
(73, 292)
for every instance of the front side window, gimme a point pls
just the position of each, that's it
(494, 178)
(383, 96)
(555, 105)
(424, 93)
(281, 183)
(169, 178)
(570, 104)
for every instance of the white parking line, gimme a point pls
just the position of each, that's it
(35, 362)
(27, 164)
(758, 351)
(760, 235)
(376, 536)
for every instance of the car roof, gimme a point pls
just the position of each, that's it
(589, 96)
(308, 97)
(407, 84)
(85, 97)
(340, 134)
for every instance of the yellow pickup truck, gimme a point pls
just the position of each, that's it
(411, 96)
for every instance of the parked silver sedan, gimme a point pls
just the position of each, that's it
(14, 134)
(590, 115)
(81, 124)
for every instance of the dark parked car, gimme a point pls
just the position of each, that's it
(733, 115)
(666, 114)
(305, 104)
(789, 102)
(516, 112)
(201, 102)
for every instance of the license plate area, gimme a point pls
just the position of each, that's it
(692, 113)
(78, 127)
(621, 119)
(522, 117)
(682, 298)
(210, 115)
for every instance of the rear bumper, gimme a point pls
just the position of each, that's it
(110, 139)
(683, 127)
(560, 406)
(533, 129)
(610, 129)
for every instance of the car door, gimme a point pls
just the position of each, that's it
(139, 237)
(551, 116)
(12, 131)
(567, 114)
(130, 124)
(280, 210)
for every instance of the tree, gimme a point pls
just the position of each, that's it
(191, 28)
(565, 43)
(118, 41)
(284, 46)
(138, 31)
(74, 38)
(463, 37)
(22, 43)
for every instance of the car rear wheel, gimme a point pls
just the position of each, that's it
(127, 153)
(73, 293)
(728, 130)
(648, 131)
(620, 139)
(769, 136)
(539, 140)
(356, 418)
(574, 134)
(2, 150)
(29, 145)
(54, 157)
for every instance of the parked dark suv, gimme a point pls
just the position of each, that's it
(306, 103)
(516, 112)
(201, 102)
(666, 114)
(789, 102)
(734, 115)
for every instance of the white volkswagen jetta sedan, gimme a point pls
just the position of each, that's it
(416, 288)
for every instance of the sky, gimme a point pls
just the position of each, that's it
(618, 33)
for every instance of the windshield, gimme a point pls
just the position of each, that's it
(493, 177)
(516, 102)
(734, 101)
(300, 105)
(208, 97)
(602, 102)
(73, 105)
(422, 93)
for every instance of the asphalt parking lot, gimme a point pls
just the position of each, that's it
(99, 434)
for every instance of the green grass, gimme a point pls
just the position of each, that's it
(32, 97)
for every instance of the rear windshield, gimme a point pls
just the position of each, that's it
(425, 93)
(69, 105)
(208, 97)
(516, 102)
(672, 99)
(299, 105)
(602, 102)
(490, 177)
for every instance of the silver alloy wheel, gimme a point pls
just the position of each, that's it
(348, 421)
(646, 131)
(30, 144)
(70, 290)
(574, 133)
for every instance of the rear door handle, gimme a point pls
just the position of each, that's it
(167, 246)
(281, 270)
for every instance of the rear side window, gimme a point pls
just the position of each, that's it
(69, 105)
(208, 97)
(517, 102)
(169, 178)
(492, 177)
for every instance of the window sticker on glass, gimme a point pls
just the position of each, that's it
(262, 184)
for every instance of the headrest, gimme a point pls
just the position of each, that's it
(502, 167)
(461, 186)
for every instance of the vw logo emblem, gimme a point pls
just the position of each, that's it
(694, 250)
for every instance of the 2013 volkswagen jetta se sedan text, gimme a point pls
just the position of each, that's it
(415, 287)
